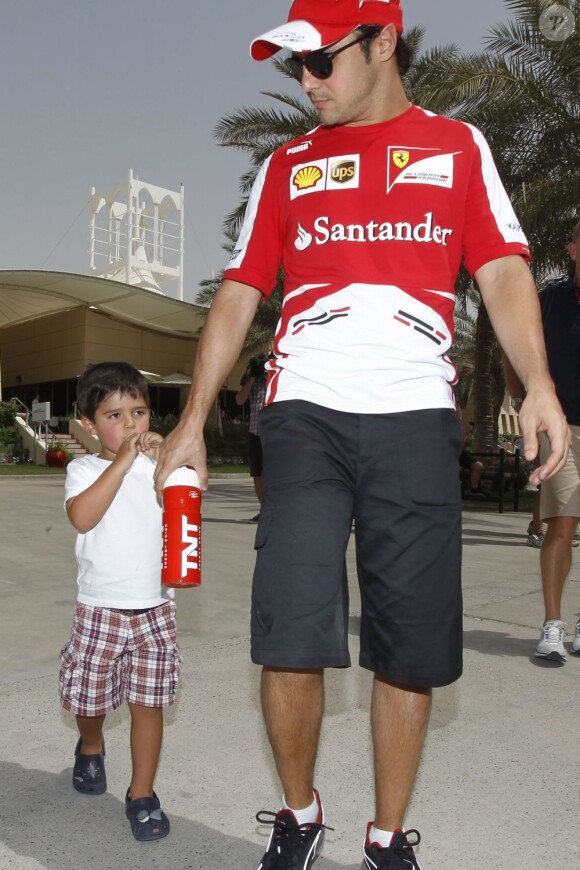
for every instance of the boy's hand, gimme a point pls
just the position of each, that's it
(127, 452)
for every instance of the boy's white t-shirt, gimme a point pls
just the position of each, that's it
(119, 560)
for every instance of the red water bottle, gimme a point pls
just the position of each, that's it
(181, 558)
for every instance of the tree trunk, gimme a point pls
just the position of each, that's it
(483, 388)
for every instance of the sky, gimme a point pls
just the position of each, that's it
(93, 89)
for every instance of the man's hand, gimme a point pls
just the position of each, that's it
(541, 412)
(510, 296)
(149, 444)
(181, 447)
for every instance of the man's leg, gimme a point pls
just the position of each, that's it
(475, 475)
(536, 525)
(399, 720)
(555, 562)
(293, 704)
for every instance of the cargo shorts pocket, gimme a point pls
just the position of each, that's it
(264, 523)
(68, 680)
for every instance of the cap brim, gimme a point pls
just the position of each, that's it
(296, 36)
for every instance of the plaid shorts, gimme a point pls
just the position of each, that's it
(111, 658)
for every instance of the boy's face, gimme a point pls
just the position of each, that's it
(116, 418)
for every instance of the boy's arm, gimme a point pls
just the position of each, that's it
(88, 508)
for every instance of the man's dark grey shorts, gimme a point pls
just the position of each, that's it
(397, 476)
(255, 456)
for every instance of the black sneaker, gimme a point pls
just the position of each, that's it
(398, 856)
(291, 846)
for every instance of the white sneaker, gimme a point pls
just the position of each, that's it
(551, 645)
(576, 642)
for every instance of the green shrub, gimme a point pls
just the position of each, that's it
(7, 413)
(9, 435)
(164, 425)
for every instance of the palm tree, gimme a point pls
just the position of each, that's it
(462, 354)
(522, 92)
(263, 327)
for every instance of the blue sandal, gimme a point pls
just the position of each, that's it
(89, 775)
(147, 819)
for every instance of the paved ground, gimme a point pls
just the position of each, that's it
(499, 784)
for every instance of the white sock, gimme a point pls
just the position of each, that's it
(308, 814)
(383, 838)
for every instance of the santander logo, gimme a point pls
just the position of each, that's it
(423, 232)
(304, 239)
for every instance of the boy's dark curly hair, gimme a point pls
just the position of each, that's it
(101, 379)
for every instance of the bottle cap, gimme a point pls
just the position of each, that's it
(184, 476)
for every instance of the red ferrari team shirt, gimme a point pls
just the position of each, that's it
(370, 225)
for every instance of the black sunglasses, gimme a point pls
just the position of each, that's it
(319, 62)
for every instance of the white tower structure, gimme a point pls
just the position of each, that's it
(137, 233)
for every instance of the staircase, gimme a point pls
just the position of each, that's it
(72, 445)
(36, 444)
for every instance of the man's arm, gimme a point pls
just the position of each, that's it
(515, 387)
(511, 299)
(221, 341)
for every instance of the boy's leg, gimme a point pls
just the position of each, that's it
(142, 808)
(91, 731)
(146, 740)
(89, 776)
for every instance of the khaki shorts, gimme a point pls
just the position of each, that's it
(560, 495)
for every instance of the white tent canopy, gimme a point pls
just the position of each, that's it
(26, 295)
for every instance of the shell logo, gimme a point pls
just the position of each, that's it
(307, 177)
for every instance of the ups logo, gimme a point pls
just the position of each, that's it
(343, 171)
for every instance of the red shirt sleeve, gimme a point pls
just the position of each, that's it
(491, 228)
(258, 253)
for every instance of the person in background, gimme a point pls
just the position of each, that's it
(560, 495)
(468, 462)
(253, 388)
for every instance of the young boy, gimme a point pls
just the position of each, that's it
(123, 644)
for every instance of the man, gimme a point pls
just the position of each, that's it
(369, 215)
(253, 388)
(469, 463)
(560, 495)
